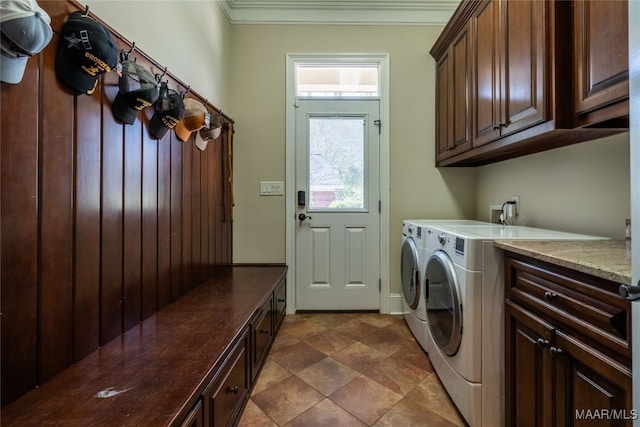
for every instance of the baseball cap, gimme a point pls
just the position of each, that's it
(169, 109)
(138, 89)
(205, 135)
(26, 31)
(86, 50)
(193, 119)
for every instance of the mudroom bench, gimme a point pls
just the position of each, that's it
(191, 364)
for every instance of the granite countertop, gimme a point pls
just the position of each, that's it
(607, 259)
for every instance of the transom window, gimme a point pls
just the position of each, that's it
(337, 80)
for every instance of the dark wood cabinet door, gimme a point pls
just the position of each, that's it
(280, 304)
(486, 105)
(528, 371)
(262, 334)
(227, 393)
(195, 418)
(601, 54)
(591, 388)
(524, 36)
(453, 91)
(460, 93)
(443, 104)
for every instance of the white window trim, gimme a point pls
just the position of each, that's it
(290, 176)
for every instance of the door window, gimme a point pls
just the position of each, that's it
(336, 163)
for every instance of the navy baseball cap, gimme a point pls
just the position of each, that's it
(86, 51)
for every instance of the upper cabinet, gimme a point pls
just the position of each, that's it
(453, 88)
(601, 61)
(511, 93)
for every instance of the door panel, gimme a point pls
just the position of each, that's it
(337, 239)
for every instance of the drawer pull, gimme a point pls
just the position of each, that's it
(542, 343)
(264, 331)
(549, 296)
(233, 389)
(281, 300)
(630, 293)
(555, 351)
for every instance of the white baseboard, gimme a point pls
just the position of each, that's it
(395, 304)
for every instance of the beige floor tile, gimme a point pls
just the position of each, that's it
(355, 328)
(409, 413)
(283, 341)
(431, 394)
(326, 414)
(255, 417)
(303, 329)
(329, 342)
(287, 399)
(397, 375)
(365, 399)
(359, 356)
(271, 373)
(385, 340)
(327, 375)
(297, 357)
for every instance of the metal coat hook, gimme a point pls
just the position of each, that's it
(186, 92)
(160, 76)
(86, 11)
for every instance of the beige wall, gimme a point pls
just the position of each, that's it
(190, 38)
(583, 188)
(241, 69)
(258, 106)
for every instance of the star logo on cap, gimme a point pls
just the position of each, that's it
(73, 41)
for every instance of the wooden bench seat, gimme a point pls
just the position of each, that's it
(155, 373)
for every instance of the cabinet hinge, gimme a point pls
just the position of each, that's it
(379, 206)
(379, 124)
(380, 285)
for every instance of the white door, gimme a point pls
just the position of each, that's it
(338, 219)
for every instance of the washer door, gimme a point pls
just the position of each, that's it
(444, 310)
(410, 273)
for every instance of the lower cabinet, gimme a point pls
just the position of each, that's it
(280, 302)
(567, 360)
(195, 418)
(224, 398)
(261, 336)
(226, 394)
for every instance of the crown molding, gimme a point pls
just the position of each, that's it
(345, 12)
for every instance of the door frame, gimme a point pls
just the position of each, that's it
(290, 157)
(634, 158)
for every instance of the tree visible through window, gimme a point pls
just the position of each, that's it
(336, 162)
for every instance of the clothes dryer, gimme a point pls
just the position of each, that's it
(464, 295)
(412, 264)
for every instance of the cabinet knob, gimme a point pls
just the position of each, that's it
(549, 296)
(264, 331)
(281, 300)
(555, 351)
(542, 343)
(233, 389)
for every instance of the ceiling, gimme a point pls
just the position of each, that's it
(352, 12)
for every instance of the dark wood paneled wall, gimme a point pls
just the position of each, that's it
(101, 225)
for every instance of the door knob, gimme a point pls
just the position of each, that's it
(630, 293)
(302, 217)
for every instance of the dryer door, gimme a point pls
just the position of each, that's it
(410, 273)
(444, 309)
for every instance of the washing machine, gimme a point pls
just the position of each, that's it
(464, 296)
(412, 263)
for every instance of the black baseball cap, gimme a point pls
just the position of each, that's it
(86, 50)
(139, 89)
(169, 110)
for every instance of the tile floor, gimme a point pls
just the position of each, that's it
(348, 369)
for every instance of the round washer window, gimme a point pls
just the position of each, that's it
(444, 312)
(410, 273)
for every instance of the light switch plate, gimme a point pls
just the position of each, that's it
(271, 188)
